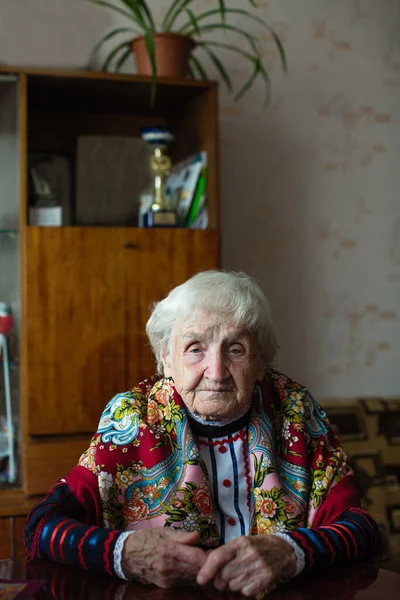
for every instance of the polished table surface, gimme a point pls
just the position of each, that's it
(361, 582)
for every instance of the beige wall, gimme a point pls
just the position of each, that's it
(310, 186)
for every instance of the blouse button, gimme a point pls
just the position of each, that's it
(231, 521)
(227, 483)
(223, 449)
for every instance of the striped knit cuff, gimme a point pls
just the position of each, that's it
(71, 542)
(353, 537)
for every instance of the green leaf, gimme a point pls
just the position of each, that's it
(250, 38)
(148, 14)
(228, 11)
(281, 49)
(129, 15)
(198, 67)
(141, 10)
(222, 10)
(177, 413)
(164, 25)
(111, 34)
(193, 21)
(190, 486)
(126, 407)
(133, 5)
(293, 453)
(180, 6)
(219, 66)
(176, 515)
(247, 14)
(293, 522)
(264, 75)
(123, 59)
(259, 472)
(227, 47)
(258, 67)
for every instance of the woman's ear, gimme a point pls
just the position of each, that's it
(262, 366)
(167, 364)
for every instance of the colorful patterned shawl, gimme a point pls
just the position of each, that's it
(143, 466)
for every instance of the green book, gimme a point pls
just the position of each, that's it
(198, 198)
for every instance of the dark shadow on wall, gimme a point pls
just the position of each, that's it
(264, 182)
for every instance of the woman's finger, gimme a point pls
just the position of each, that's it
(214, 562)
(252, 584)
(243, 568)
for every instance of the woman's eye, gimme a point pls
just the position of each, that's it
(237, 350)
(194, 350)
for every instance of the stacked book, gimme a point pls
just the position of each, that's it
(186, 188)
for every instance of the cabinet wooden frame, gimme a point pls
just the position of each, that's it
(85, 292)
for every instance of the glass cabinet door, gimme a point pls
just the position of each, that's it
(9, 280)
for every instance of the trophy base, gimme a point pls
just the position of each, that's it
(160, 218)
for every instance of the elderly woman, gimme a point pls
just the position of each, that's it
(220, 469)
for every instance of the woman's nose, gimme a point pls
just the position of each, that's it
(217, 367)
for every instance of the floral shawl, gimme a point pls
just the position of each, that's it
(143, 467)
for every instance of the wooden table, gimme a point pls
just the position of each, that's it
(362, 582)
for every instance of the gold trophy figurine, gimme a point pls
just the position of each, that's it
(161, 214)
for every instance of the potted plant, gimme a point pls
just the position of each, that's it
(166, 50)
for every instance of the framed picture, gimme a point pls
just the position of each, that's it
(50, 188)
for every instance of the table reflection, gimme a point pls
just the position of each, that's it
(67, 583)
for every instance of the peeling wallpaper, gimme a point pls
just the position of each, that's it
(310, 185)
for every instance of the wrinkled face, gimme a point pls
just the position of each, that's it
(214, 365)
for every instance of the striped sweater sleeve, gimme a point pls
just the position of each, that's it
(56, 529)
(352, 537)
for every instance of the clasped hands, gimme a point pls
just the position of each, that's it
(167, 557)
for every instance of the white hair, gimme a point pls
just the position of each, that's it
(230, 294)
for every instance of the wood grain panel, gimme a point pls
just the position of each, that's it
(89, 291)
(167, 258)
(14, 503)
(11, 538)
(46, 461)
(5, 538)
(102, 75)
(75, 326)
(18, 527)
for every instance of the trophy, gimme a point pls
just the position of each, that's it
(161, 214)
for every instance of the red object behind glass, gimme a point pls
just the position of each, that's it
(6, 320)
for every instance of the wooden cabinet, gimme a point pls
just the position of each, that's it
(14, 507)
(88, 293)
(11, 537)
(85, 292)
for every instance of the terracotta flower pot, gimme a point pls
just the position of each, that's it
(172, 53)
